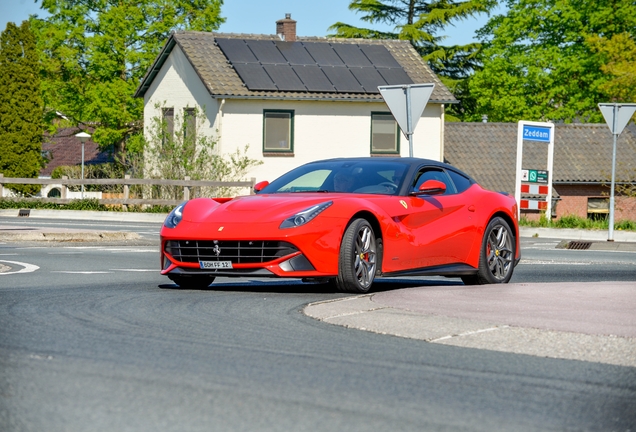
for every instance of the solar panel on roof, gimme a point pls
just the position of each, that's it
(314, 78)
(254, 76)
(351, 55)
(284, 77)
(295, 53)
(312, 66)
(323, 54)
(369, 78)
(266, 51)
(394, 76)
(342, 79)
(236, 51)
(379, 56)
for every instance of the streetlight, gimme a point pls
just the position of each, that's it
(83, 137)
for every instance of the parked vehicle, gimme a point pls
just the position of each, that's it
(348, 221)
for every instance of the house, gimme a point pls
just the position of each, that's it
(64, 149)
(292, 99)
(582, 164)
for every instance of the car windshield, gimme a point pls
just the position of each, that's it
(346, 176)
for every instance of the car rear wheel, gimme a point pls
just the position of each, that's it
(358, 258)
(192, 281)
(496, 261)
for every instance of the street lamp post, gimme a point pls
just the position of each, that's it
(83, 137)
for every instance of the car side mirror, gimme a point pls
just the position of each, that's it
(431, 187)
(260, 186)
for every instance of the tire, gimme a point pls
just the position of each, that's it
(357, 263)
(192, 281)
(497, 257)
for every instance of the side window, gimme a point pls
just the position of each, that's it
(461, 182)
(190, 119)
(384, 134)
(434, 174)
(167, 117)
(278, 131)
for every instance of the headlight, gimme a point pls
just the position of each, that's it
(175, 216)
(301, 218)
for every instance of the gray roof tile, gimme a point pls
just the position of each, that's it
(222, 80)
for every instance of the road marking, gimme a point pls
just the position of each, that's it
(28, 268)
(81, 272)
(469, 333)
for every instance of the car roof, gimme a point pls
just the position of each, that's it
(410, 161)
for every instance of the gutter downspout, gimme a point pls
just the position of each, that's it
(219, 129)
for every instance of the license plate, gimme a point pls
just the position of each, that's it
(215, 264)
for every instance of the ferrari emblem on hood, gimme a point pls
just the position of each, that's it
(404, 204)
(220, 228)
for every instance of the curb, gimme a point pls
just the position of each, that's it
(88, 215)
(87, 236)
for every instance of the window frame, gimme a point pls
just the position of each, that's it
(275, 151)
(168, 120)
(397, 136)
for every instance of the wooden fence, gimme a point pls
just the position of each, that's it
(126, 182)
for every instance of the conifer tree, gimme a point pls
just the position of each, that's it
(20, 106)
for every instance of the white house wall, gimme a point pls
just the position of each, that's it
(178, 86)
(321, 129)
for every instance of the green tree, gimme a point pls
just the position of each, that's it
(95, 53)
(20, 106)
(619, 61)
(188, 152)
(422, 23)
(540, 62)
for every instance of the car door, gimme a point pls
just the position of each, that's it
(438, 228)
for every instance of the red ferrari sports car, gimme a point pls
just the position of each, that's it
(348, 221)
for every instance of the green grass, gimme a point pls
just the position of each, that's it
(570, 221)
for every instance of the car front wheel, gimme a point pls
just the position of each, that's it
(496, 261)
(358, 258)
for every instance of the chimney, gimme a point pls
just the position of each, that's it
(286, 28)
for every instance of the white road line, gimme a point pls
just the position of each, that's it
(81, 272)
(469, 333)
(28, 268)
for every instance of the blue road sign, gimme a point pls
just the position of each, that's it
(536, 133)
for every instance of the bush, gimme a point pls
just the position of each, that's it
(571, 221)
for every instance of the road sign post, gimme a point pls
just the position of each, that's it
(616, 116)
(540, 132)
(407, 102)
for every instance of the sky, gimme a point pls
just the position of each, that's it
(260, 16)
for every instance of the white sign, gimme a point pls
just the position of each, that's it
(407, 102)
(617, 115)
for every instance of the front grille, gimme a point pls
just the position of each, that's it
(238, 252)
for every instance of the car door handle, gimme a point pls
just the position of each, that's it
(471, 208)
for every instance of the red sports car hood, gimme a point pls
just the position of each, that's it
(261, 208)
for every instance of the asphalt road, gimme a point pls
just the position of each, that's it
(95, 339)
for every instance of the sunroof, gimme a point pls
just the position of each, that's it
(272, 65)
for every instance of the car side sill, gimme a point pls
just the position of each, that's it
(458, 269)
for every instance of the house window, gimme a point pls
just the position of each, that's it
(167, 117)
(189, 125)
(597, 208)
(278, 131)
(384, 134)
